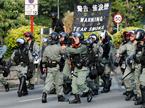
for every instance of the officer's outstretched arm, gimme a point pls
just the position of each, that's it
(76, 50)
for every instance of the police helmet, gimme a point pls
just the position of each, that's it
(63, 34)
(94, 36)
(88, 42)
(102, 35)
(131, 32)
(127, 34)
(79, 35)
(45, 40)
(54, 36)
(105, 35)
(28, 34)
(72, 34)
(139, 34)
(20, 41)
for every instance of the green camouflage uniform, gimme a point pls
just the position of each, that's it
(94, 84)
(54, 76)
(128, 74)
(79, 76)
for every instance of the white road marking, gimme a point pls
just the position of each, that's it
(29, 100)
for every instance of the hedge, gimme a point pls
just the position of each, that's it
(13, 34)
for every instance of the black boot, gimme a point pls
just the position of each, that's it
(67, 88)
(89, 96)
(129, 95)
(19, 93)
(21, 86)
(138, 101)
(6, 87)
(44, 97)
(135, 97)
(143, 96)
(107, 83)
(25, 91)
(95, 91)
(75, 100)
(61, 98)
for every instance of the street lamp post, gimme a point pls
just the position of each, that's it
(58, 11)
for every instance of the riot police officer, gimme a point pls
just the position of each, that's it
(34, 49)
(139, 34)
(107, 47)
(95, 51)
(129, 48)
(64, 64)
(50, 60)
(139, 57)
(78, 53)
(44, 45)
(21, 57)
(121, 60)
(4, 70)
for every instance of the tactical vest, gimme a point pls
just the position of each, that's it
(139, 53)
(91, 56)
(143, 59)
(21, 56)
(106, 50)
(78, 60)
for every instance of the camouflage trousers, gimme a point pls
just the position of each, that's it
(79, 84)
(142, 77)
(54, 76)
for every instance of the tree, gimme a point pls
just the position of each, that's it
(12, 12)
(131, 11)
(14, 34)
(11, 15)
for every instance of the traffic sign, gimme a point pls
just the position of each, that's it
(30, 2)
(31, 7)
(117, 18)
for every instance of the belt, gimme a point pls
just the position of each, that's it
(52, 64)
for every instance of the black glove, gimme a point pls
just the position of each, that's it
(116, 64)
(93, 74)
(6, 71)
(29, 75)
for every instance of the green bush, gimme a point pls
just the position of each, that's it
(13, 34)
